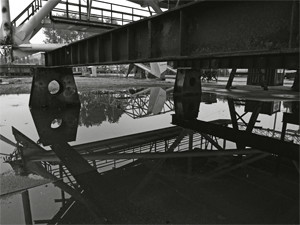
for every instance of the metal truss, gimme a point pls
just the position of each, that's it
(73, 175)
(93, 13)
(136, 106)
(290, 136)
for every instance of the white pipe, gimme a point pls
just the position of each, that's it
(5, 34)
(38, 47)
(155, 6)
(23, 32)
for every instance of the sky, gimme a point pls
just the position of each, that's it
(16, 6)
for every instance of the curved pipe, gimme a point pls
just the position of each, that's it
(23, 32)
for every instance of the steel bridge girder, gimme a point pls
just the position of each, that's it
(242, 34)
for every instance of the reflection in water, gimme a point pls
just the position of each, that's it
(187, 111)
(97, 107)
(207, 173)
(56, 125)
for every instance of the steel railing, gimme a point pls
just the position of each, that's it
(100, 12)
(27, 13)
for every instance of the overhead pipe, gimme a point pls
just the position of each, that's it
(24, 50)
(38, 47)
(154, 5)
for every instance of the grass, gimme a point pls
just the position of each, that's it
(22, 85)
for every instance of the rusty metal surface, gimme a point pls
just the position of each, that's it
(41, 97)
(188, 81)
(67, 123)
(209, 34)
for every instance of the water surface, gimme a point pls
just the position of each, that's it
(89, 186)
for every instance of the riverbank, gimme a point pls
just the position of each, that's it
(22, 85)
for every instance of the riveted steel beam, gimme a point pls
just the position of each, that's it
(206, 34)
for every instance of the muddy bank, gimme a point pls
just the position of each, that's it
(11, 183)
(22, 85)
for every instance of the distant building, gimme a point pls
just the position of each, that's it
(35, 59)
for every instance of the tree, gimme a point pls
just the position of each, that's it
(63, 36)
(96, 108)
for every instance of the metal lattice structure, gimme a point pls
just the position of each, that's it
(290, 135)
(93, 13)
(137, 106)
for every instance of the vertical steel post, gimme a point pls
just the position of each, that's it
(89, 8)
(231, 77)
(188, 82)
(26, 207)
(79, 9)
(67, 94)
(67, 8)
(63, 197)
(295, 86)
(111, 16)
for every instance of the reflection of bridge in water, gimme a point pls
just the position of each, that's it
(100, 106)
(118, 154)
(88, 172)
(139, 105)
(290, 135)
(109, 178)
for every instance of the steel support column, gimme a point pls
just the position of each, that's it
(26, 207)
(188, 81)
(295, 86)
(66, 121)
(65, 95)
(230, 79)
